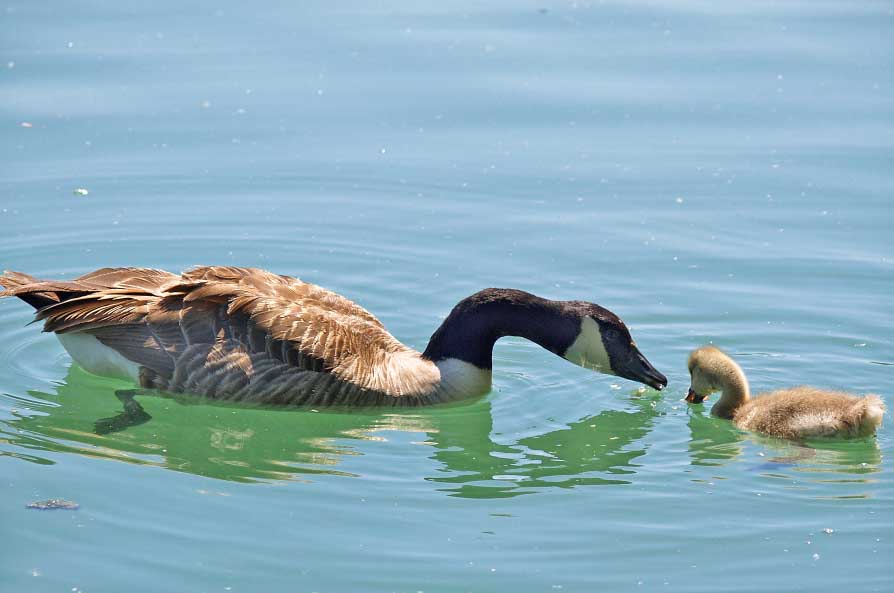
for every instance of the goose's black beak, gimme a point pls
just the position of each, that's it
(637, 368)
(694, 398)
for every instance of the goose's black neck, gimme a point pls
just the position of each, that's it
(477, 322)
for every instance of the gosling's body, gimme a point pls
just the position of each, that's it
(244, 334)
(795, 413)
(805, 412)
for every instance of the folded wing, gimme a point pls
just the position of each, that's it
(227, 326)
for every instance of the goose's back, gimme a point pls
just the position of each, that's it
(803, 412)
(237, 333)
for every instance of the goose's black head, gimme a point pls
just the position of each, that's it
(603, 343)
(583, 333)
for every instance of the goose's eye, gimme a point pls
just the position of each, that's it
(612, 334)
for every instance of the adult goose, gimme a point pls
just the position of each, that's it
(244, 334)
(794, 413)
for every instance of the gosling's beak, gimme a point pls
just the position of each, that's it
(641, 370)
(694, 398)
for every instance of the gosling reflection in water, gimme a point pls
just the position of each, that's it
(715, 442)
(251, 444)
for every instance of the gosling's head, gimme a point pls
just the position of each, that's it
(708, 368)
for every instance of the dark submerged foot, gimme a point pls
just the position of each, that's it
(133, 414)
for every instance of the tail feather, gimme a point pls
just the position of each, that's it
(10, 279)
(107, 296)
(28, 288)
(872, 413)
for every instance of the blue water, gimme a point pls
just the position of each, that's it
(711, 173)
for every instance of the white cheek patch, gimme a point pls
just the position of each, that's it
(588, 350)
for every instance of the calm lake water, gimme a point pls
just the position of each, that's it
(712, 173)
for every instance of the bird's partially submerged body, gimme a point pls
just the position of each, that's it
(243, 334)
(794, 413)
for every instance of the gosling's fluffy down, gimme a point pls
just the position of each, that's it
(806, 411)
(795, 413)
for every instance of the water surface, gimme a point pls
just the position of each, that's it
(711, 174)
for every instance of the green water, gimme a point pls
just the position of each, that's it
(709, 173)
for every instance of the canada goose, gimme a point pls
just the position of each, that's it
(795, 413)
(249, 335)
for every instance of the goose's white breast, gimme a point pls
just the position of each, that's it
(463, 379)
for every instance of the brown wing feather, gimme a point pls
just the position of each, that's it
(220, 318)
(11, 281)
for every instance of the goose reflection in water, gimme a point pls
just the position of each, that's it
(597, 450)
(254, 444)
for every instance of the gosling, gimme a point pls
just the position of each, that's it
(796, 413)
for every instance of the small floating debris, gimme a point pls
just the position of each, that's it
(27, 124)
(828, 531)
(510, 477)
(80, 191)
(54, 503)
(212, 492)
